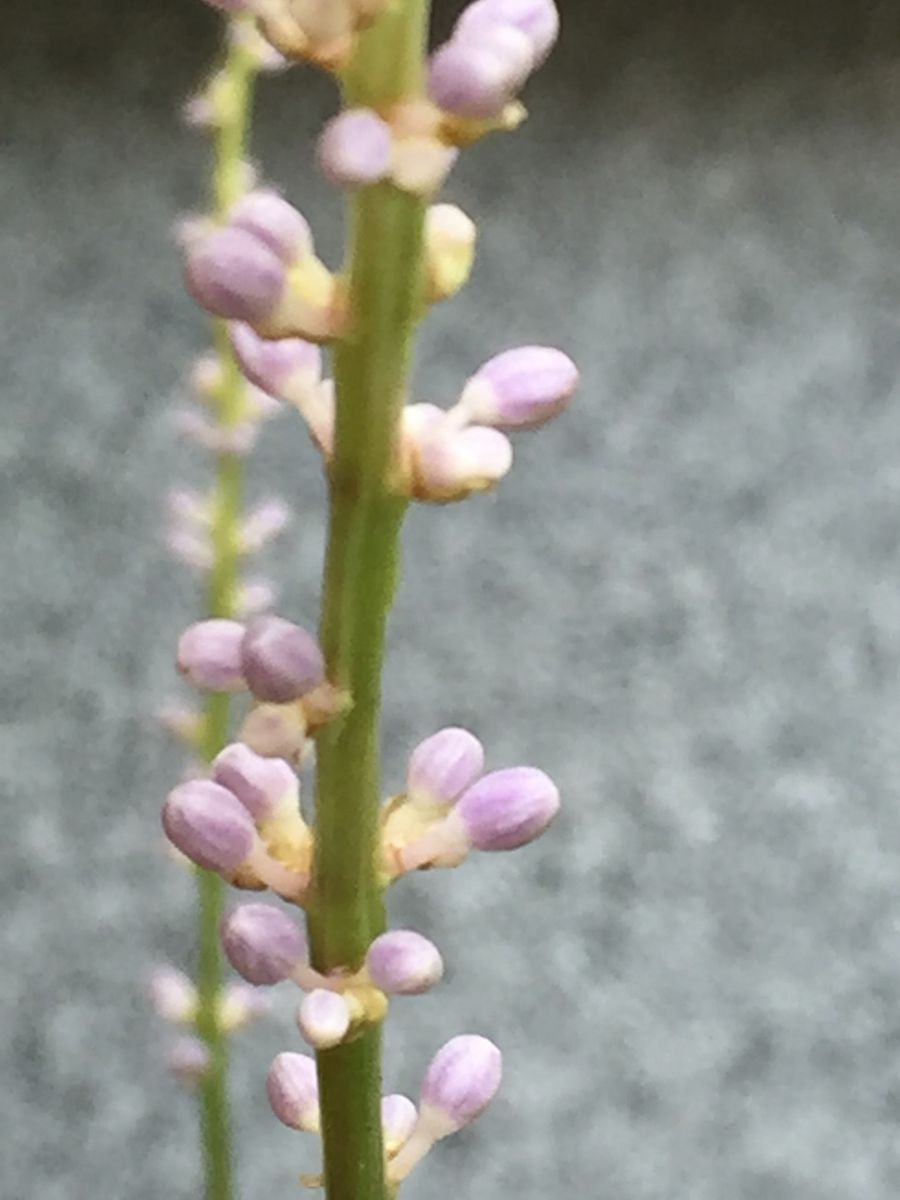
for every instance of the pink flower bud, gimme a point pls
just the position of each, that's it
(276, 223)
(442, 767)
(537, 19)
(354, 149)
(266, 787)
(469, 79)
(173, 995)
(209, 655)
(520, 389)
(209, 825)
(398, 1119)
(263, 944)
(263, 525)
(323, 1018)
(282, 367)
(507, 809)
(234, 274)
(452, 464)
(293, 1091)
(280, 661)
(404, 963)
(460, 1083)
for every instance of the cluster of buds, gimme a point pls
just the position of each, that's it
(459, 1083)
(175, 999)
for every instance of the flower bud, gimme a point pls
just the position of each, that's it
(263, 525)
(209, 825)
(263, 944)
(520, 389)
(507, 809)
(209, 435)
(452, 464)
(280, 661)
(267, 787)
(469, 79)
(537, 19)
(282, 367)
(234, 274)
(173, 995)
(442, 767)
(276, 223)
(189, 1060)
(420, 163)
(241, 1005)
(460, 1083)
(354, 148)
(323, 1018)
(255, 596)
(398, 1119)
(276, 731)
(293, 1091)
(449, 250)
(209, 655)
(404, 963)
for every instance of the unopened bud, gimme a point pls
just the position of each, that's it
(209, 655)
(404, 963)
(293, 1091)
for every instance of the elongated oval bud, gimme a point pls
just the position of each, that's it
(398, 1119)
(472, 80)
(460, 1083)
(280, 661)
(449, 250)
(209, 655)
(451, 464)
(284, 367)
(234, 274)
(520, 389)
(263, 943)
(293, 1091)
(323, 1018)
(507, 809)
(209, 825)
(265, 786)
(355, 148)
(442, 767)
(173, 995)
(537, 19)
(404, 963)
(269, 217)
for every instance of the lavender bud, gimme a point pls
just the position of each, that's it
(473, 80)
(452, 464)
(449, 250)
(209, 825)
(323, 1018)
(209, 655)
(263, 525)
(520, 389)
(234, 274)
(442, 767)
(181, 721)
(460, 1083)
(188, 1060)
(173, 995)
(217, 439)
(398, 1118)
(354, 148)
(280, 661)
(281, 367)
(266, 787)
(255, 596)
(241, 1005)
(189, 548)
(276, 731)
(293, 1091)
(537, 19)
(507, 809)
(276, 223)
(263, 944)
(404, 963)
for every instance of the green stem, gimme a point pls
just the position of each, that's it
(237, 77)
(371, 374)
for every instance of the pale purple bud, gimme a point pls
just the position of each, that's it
(188, 1060)
(323, 1018)
(206, 376)
(263, 525)
(256, 596)
(354, 149)
(507, 809)
(537, 19)
(209, 655)
(520, 389)
(293, 1090)
(276, 731)
(471, 80)
(404, 963)
(264, 786)
(210, 435)
(191, 548)
(442, 767)
(460, 1083)
(263, 943)
(279, 366)
(199, 111)
(276, 223)
(181, 721)
(234, 274)
(241, 1005)
(173, 995)
(280, 661)
(453, 463)
(187, 507)
(398, 1119)
(209, 825)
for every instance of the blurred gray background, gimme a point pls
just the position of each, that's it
(684, 604)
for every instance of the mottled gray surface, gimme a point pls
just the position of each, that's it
(684, 604)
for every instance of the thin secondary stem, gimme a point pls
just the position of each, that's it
(235, 91)
(371, 374)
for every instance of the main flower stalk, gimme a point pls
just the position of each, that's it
(385, 274)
